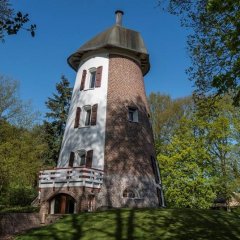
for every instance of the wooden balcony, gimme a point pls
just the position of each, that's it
(71, 177)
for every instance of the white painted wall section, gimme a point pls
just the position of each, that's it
(92, 137)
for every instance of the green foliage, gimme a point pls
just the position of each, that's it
(11, 23)
(21, 157)
(165, 115)
(54, 129)
(186, 173)
(20, 195)
(199, 162)
(150, 224)
(213, 45)
(19, 209)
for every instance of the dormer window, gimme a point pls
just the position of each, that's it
(132, 114)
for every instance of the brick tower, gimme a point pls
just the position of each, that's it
(107, 158)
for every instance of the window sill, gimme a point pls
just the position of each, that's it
(133, 121)
(136, 198)
(88, 89)
(84, 127)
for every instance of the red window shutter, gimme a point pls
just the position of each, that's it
(94, 114)
(89, 158)
(71, 159)
(84, 74)
(98, 76)
(77, 117)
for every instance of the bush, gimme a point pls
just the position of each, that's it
(19, 209)
(21, 196)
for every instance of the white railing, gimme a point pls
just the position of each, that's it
(68, 177)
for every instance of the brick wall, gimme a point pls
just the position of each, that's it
(80, 195)
(129, 145)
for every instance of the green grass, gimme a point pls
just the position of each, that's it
(147, 224)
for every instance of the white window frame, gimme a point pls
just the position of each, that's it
(88, 79)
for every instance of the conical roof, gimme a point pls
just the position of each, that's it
(115, 37)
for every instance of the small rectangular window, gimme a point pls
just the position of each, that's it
(88, 116)
(82, 159)
(92, 79)
(132, 114)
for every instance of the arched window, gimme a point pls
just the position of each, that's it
(128, 193)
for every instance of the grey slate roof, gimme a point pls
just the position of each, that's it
(114, 37)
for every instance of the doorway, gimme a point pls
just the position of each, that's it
(62, 204)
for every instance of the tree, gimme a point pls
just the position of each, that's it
(199, 161)
(165, 115)
(21, 157)
(222, 144)
(54, 129)
(12, 108)
(213, 46)
(186, 169)
(11, 23)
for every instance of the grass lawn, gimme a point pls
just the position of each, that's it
(147, 224)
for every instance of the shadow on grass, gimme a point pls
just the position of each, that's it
(149, 224)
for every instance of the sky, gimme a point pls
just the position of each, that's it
(64, 25)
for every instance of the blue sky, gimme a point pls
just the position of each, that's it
(64, 25)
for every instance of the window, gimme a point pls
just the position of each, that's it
(127, 193)
(87, 115)
(82, 157)
(92, 79)
(132, 114)
(85, 158)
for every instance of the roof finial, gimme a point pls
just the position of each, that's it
(119, 14)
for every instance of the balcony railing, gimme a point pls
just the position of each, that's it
(69, 177)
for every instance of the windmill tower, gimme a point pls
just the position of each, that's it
(107, 157)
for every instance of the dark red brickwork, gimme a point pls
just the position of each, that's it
(80, 195)
(129, 145)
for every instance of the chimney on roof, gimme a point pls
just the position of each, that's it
(119, 14)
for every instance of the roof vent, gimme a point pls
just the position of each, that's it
(119, 14)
